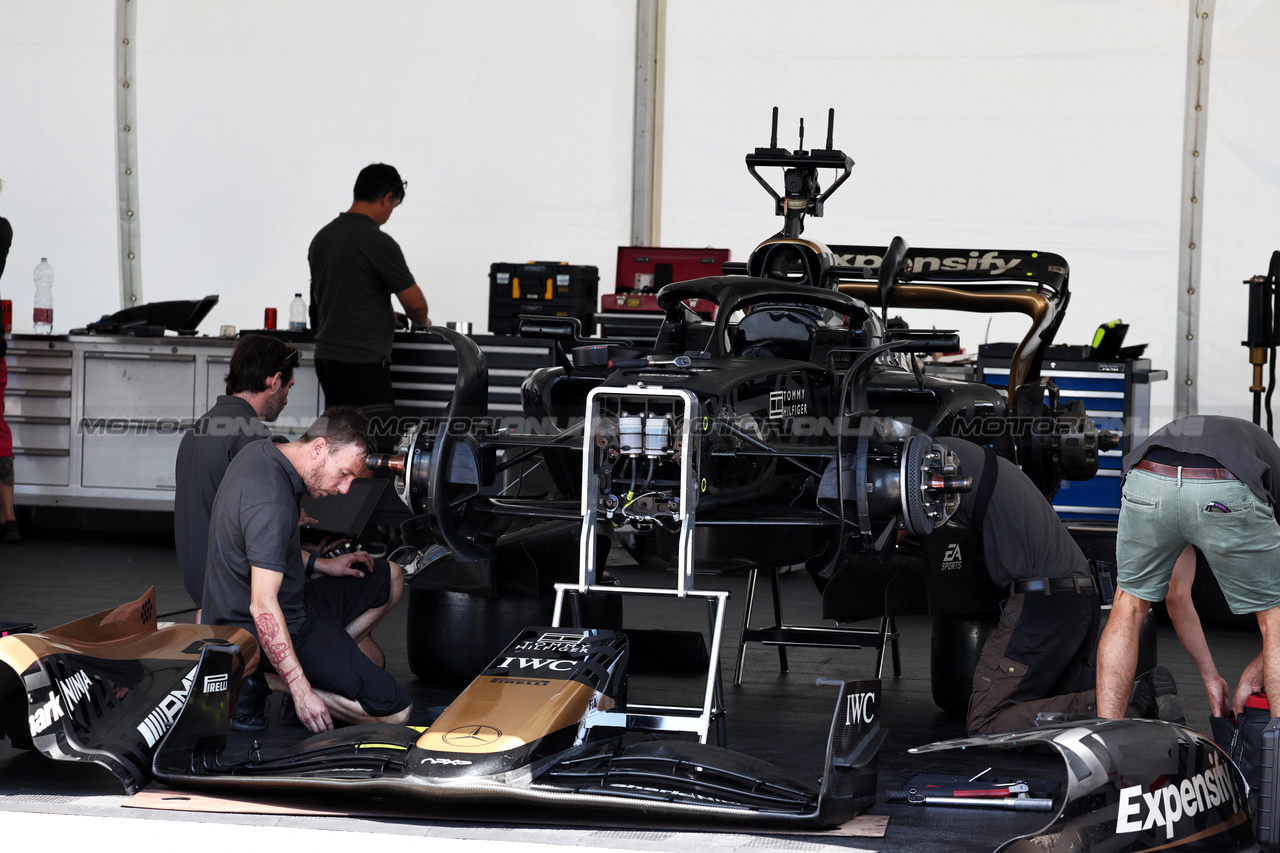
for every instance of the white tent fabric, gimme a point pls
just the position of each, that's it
(1242, 194)
(991, 123)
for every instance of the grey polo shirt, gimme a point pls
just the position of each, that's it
(255, 523)
(1242, 447)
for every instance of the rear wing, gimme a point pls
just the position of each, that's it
(955, 266)
(983, 281)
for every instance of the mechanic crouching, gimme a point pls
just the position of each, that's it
(1037, 660)
(309, 632)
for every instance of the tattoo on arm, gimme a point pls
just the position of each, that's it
(268, 631)
(267, 626)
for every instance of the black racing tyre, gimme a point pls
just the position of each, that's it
(956, 646)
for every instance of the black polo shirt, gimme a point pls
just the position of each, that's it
(255, 523)
(355, 269)
(1022, 536)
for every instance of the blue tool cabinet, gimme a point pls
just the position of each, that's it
(1117, 395)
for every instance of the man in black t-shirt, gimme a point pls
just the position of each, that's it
(355, 270)
(256, 579)
(8, 519)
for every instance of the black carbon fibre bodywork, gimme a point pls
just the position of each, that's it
(106, 689)
(1133, 786)
(559, 761)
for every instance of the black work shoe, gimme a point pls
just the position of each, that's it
(288, 713)
(251, 708)
(1168, 708)
(1154, 697)
(9, 532)
(1142, 701)
(1162, 681)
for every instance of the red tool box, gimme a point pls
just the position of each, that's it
(644, 270)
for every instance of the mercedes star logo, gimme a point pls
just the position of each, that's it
(472, 736)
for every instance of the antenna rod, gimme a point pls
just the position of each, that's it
(773, 138)
(831, 120)
(801, 148)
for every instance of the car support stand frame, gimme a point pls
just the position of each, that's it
(661, 431)
(811, 636)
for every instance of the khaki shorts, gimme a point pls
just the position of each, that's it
(1160, 515)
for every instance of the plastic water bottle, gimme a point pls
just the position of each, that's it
(297, 314)
(42, 305)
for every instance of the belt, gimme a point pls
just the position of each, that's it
(1187, 473)
(1051, 585)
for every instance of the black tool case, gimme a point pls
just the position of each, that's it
(544, 288)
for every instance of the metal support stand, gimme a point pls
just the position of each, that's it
(667, 718)
(782, 635)
(685, 412)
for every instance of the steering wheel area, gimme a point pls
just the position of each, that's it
(775, 331)
(781, 319)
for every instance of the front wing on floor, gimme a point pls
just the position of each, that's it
(532, 746)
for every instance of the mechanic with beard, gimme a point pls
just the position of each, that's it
(258, 384)
(256, 579)
(1038, 658)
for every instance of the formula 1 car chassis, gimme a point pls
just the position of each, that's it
(793, 427)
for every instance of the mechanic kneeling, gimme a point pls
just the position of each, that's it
(255, 579)
(1038, 658)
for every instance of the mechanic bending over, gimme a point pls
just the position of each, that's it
(258, 383)
(1212, 482)
(1038, 658)
(309, 632)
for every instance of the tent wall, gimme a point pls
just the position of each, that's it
(1241, 194)
(991, 123)
(1052, 126)
(57, 155)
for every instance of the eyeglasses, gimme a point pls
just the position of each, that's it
(291, 358)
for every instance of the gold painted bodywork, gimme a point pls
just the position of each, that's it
(498, 713)
(127, 632)
(1033, 304)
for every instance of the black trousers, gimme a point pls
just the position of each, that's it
(363, 385)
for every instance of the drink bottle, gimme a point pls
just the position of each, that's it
(297, 314)
(42, 305)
